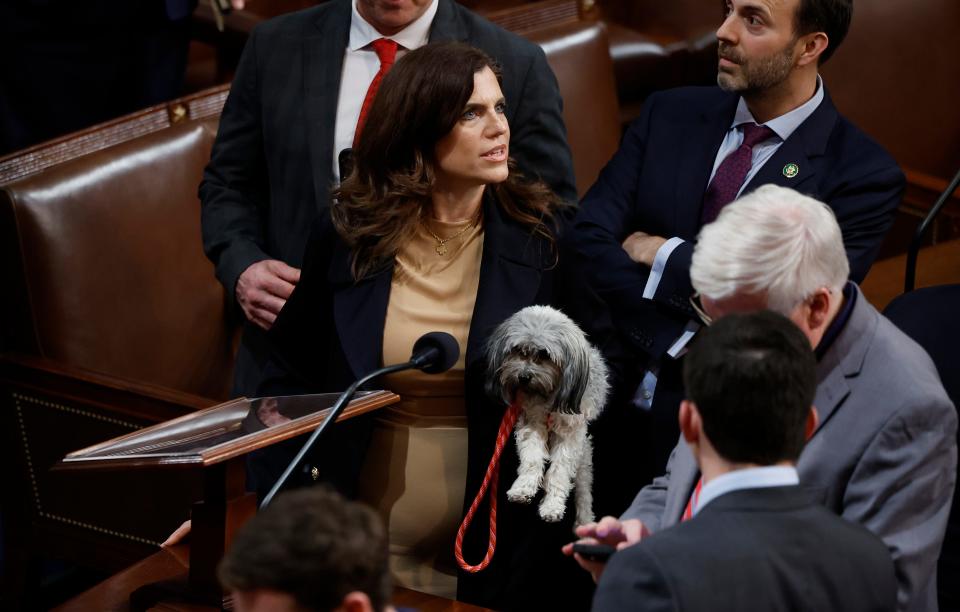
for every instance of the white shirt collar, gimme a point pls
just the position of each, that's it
(787, 123)
(411, 37)
(747, 478)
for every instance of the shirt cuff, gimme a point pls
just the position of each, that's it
(679, 347)
(659, 263)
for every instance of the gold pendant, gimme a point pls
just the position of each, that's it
(441, 249)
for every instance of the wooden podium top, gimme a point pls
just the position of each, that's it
(172, 565)
(222, 432)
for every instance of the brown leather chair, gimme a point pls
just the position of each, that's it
(111, 320)
(646, 63)
(577, 50)
(579, 55)
(108, 272)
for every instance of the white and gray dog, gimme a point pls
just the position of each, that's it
(540, 356)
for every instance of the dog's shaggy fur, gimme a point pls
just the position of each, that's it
(542, 358)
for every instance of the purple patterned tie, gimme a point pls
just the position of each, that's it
(732, 172)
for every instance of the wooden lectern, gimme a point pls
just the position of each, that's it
(214, 442)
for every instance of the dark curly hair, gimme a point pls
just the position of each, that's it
(380, 203)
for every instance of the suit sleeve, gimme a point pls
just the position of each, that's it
(633, 580)
(303, 327)
(865, 208)
(608, 214)
(901, 489)
(234, 190)
(651, 501)
(538, 138)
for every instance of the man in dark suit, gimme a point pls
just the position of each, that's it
(694, 150)
(884, 454)
(753, 539)
(309, 550)
(293, 108)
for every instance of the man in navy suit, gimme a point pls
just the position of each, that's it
(752, 539)
(695, 149)
(293, 107)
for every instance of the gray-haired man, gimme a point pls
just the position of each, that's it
(884, 454)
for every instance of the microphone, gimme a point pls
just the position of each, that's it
(433, 353)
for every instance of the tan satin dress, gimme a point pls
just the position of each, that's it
(416, 467)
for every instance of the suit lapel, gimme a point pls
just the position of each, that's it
(359, 311)
(803, 149)
(323, 50)
(844, 360)
(699, 143)
(510, 272)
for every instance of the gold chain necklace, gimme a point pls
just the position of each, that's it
(441, 247)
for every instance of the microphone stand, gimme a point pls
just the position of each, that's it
(335, 411)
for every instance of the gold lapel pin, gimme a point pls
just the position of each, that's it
(791, 170)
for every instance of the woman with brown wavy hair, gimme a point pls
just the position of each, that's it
(433, 230)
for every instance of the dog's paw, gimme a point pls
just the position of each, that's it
(522, 492)
(551, 510)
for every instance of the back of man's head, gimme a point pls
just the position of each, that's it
(752, 378)
(313, 545)
(773, 242)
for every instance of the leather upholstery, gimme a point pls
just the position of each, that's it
(107, 272)
(646, 63)
(579, 56)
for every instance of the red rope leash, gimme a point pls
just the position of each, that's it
(490, 480)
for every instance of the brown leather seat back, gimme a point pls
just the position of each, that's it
(580, 57)
(105, 265)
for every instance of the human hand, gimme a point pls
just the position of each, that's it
(179, 534)
(642, 248)
(609, 530)
(237, 4)
(263, 289)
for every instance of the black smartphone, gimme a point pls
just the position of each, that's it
(594, 552)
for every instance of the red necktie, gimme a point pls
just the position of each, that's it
(387, 52)
(732, 171)
(694, 498)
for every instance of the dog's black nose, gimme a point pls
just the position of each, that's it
(524, 379)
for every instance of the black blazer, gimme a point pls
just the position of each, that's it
(331, 332)
(271, 168)
(756, 549)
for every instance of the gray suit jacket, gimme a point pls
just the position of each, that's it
(884, 455)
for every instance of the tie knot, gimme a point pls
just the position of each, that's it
(753, 133)
(386, 50)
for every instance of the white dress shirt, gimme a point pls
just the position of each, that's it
(748, 478)
(361, 64)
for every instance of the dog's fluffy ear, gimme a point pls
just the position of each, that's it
(575, 375)
(496, 351)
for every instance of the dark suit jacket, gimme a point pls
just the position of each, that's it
(331, 332)
(754, 549)
(656, 181)
(270, 171)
